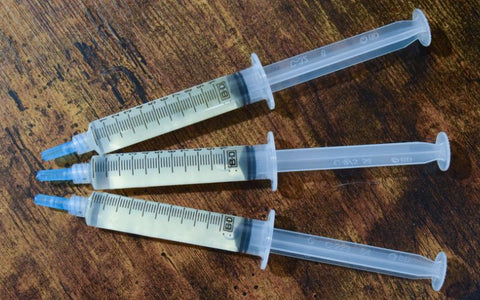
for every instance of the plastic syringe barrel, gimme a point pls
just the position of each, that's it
(171, 112)
(257, 83)
(258, 238)
(169, 222)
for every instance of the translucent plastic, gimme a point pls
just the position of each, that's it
(349, 52)
(233, 91)
(236, 234)
(169, 222)
(160, 116)
(361, 257)
(241, 163)
(378, 155)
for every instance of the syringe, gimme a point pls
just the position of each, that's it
(241, 163)
(237, 234)
(245, 87)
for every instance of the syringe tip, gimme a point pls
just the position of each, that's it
(441, 261)
(58, 151)
(55, 175)
(51, 201)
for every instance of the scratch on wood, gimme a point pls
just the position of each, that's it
(67, 54)
(130, 47)
(170, 261)
(65, 289)
(356, 182)
(24, 151)
(17, 100)
(112, 81)
(58, 71)
(89, 55)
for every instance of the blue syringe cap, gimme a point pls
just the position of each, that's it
(80, 143)
(55, 175)
(58, 151)
(52, 201)
(78, 173)
(75, 205)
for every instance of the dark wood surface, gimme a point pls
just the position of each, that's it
(66, 63)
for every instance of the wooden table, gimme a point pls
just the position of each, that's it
(66, 63)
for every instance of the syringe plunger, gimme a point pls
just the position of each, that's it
(360, 257)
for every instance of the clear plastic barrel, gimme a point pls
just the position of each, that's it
(169, 113)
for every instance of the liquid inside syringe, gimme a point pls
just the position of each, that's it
(237, 234)
(240, 163)
(244, 87)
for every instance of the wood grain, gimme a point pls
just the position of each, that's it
(65, 63)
